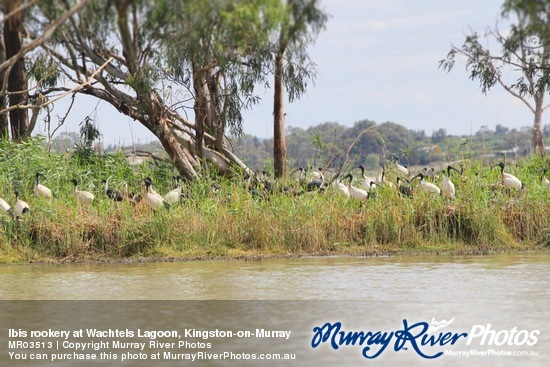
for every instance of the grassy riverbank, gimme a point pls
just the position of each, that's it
(231, 223)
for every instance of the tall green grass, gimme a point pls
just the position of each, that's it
(232, 223)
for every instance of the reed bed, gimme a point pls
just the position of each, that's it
(230, 222)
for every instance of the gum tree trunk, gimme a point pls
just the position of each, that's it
(17, 78)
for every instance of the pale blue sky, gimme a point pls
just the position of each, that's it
(377, 60)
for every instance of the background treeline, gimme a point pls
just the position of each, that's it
(318, 145)
(329, 143)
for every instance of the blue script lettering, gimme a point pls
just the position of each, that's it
(414, 335)
(339, 338)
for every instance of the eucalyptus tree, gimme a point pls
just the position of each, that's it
(16, 43)
(522, 67)
(301, 23)
(219, 51)
(131, 53)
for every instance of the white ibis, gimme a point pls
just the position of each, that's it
(383, 179)
(111, 194)
(545, 182)
(132, 197)
(40, 189)
(447, 186)
(404, 190)
(6, 207)
(430, 174)
(173, 196)
(302, 175)
(366, 179)
(340, 186)
(355, 192)
(20, 207)
(152, 198)
(427, 186)
(400, 168)
(317, 182)
(509, 180)
(85, 198)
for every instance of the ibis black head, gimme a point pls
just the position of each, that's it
(104, 181)
(349, 175)
(74, 181)
(16, 193)
(420, 176)
(449, 168)
(38, 174)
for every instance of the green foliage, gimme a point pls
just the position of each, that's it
(220, 217)
(302, 22)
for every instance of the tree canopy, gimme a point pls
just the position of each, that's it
(161, 61)
(521, 66)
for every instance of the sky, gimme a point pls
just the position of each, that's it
(376, 60)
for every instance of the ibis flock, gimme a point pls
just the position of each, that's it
(86, 198)
(307, 180)
(427, 181)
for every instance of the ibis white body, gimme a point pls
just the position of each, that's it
(382, 180)
(427, 186)
(40, 189)
(20, 207)
(403, 170)
(6, 207)
(508, 179)
(84, 198)
(173, 196)
(366, 179)
(447, 186)
(355, 192)
(152, 198)
(341, 188)
(511, 181)
(545, 182)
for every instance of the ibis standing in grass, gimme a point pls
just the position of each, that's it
(545, 182)
(4, 206)
(366, 179)
(112, 194)
(355, 192)
(401, 170)
(404, 190)
(152, 198)
(318, 181)
(40, 189)
(20, 207)
(383, 180)
(173, 196)
(508, 179)
(84, 198)
(339, 185)
(427, 186)
(447, 186)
